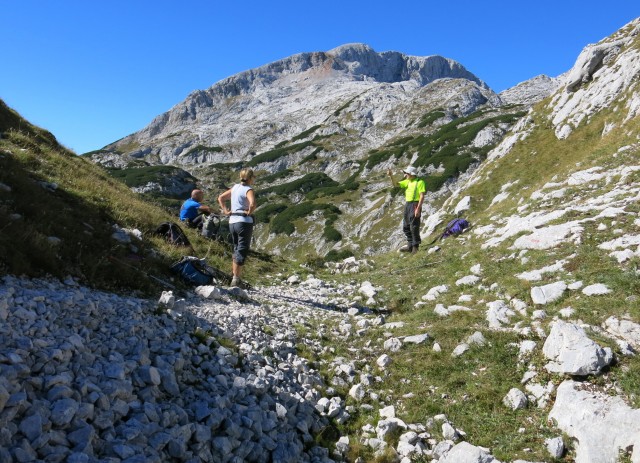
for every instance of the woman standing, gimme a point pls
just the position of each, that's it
(243, 204)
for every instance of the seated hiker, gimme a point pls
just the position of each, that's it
(192, 210)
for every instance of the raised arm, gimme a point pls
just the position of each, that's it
(393, 181)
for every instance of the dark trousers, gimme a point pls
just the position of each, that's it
(411, 224)
(196, 222)
(241, 237)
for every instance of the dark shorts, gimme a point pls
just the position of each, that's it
(241, 237)
(196, 222)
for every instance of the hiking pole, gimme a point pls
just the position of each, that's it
(169, 285)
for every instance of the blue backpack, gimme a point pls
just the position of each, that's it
(453, 228)
(193, 271)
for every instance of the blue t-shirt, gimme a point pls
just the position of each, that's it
(189, 209)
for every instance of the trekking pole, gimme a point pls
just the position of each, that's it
(169, 285)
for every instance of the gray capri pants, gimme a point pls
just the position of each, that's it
(241, 236)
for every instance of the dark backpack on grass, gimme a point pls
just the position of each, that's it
(173, 234)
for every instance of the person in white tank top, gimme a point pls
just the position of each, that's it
(241, 221)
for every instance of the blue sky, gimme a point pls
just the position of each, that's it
(92, 72)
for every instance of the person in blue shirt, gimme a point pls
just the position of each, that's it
(192, 211)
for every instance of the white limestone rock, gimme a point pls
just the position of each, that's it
(357, 392)
(498, 314)
(460, 349)
(625, 329)
(571, 352)
(477, 338)
(540, 393)
(464, 452)
(463, 205)
(434, 292)
(393, 344)
(449, 432)
(167, 299)
(601, 425)
(595, 290)
(515, 399)
(416, 339)
(388, 412)
(383, 361)
(209, 292)
(468, 280)
(546, 294)
(526, 347)
(555, 447)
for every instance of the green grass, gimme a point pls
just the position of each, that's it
(133, 177)
(79, 215)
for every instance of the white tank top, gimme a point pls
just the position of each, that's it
(239, 203)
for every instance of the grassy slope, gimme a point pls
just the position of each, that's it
(81, 212)
(469, 390)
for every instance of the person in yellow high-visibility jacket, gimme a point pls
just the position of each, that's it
(414, 190)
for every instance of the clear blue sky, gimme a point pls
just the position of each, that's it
(92, 72)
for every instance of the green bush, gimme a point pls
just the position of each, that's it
(430, 118)
(265, 213)
(272, 155)
(137, 176)
(283, 222)
(379, 157)
(276, 176)
(306, 133)
(305, 184)
(334, 256)
(349, 185)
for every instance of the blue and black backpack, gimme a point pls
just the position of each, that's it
(453, 228)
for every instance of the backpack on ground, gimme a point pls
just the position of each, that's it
(210, 226)
(215, 227)
(193, 271)
(173, 234)
(453, 228)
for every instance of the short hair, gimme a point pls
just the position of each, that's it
(195, 193)
(246, 175)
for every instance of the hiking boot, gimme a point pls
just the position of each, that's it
(235, 282)
(414, 249)
(405, 248)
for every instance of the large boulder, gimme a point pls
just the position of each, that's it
(572, 352)
(601, 425)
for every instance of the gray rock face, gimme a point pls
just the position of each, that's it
(589, 60)
(256, 109)
(530, 91)
(572, 352)
(600, 425)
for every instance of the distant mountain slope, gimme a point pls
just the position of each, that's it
(350, 88)
(348, 114)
